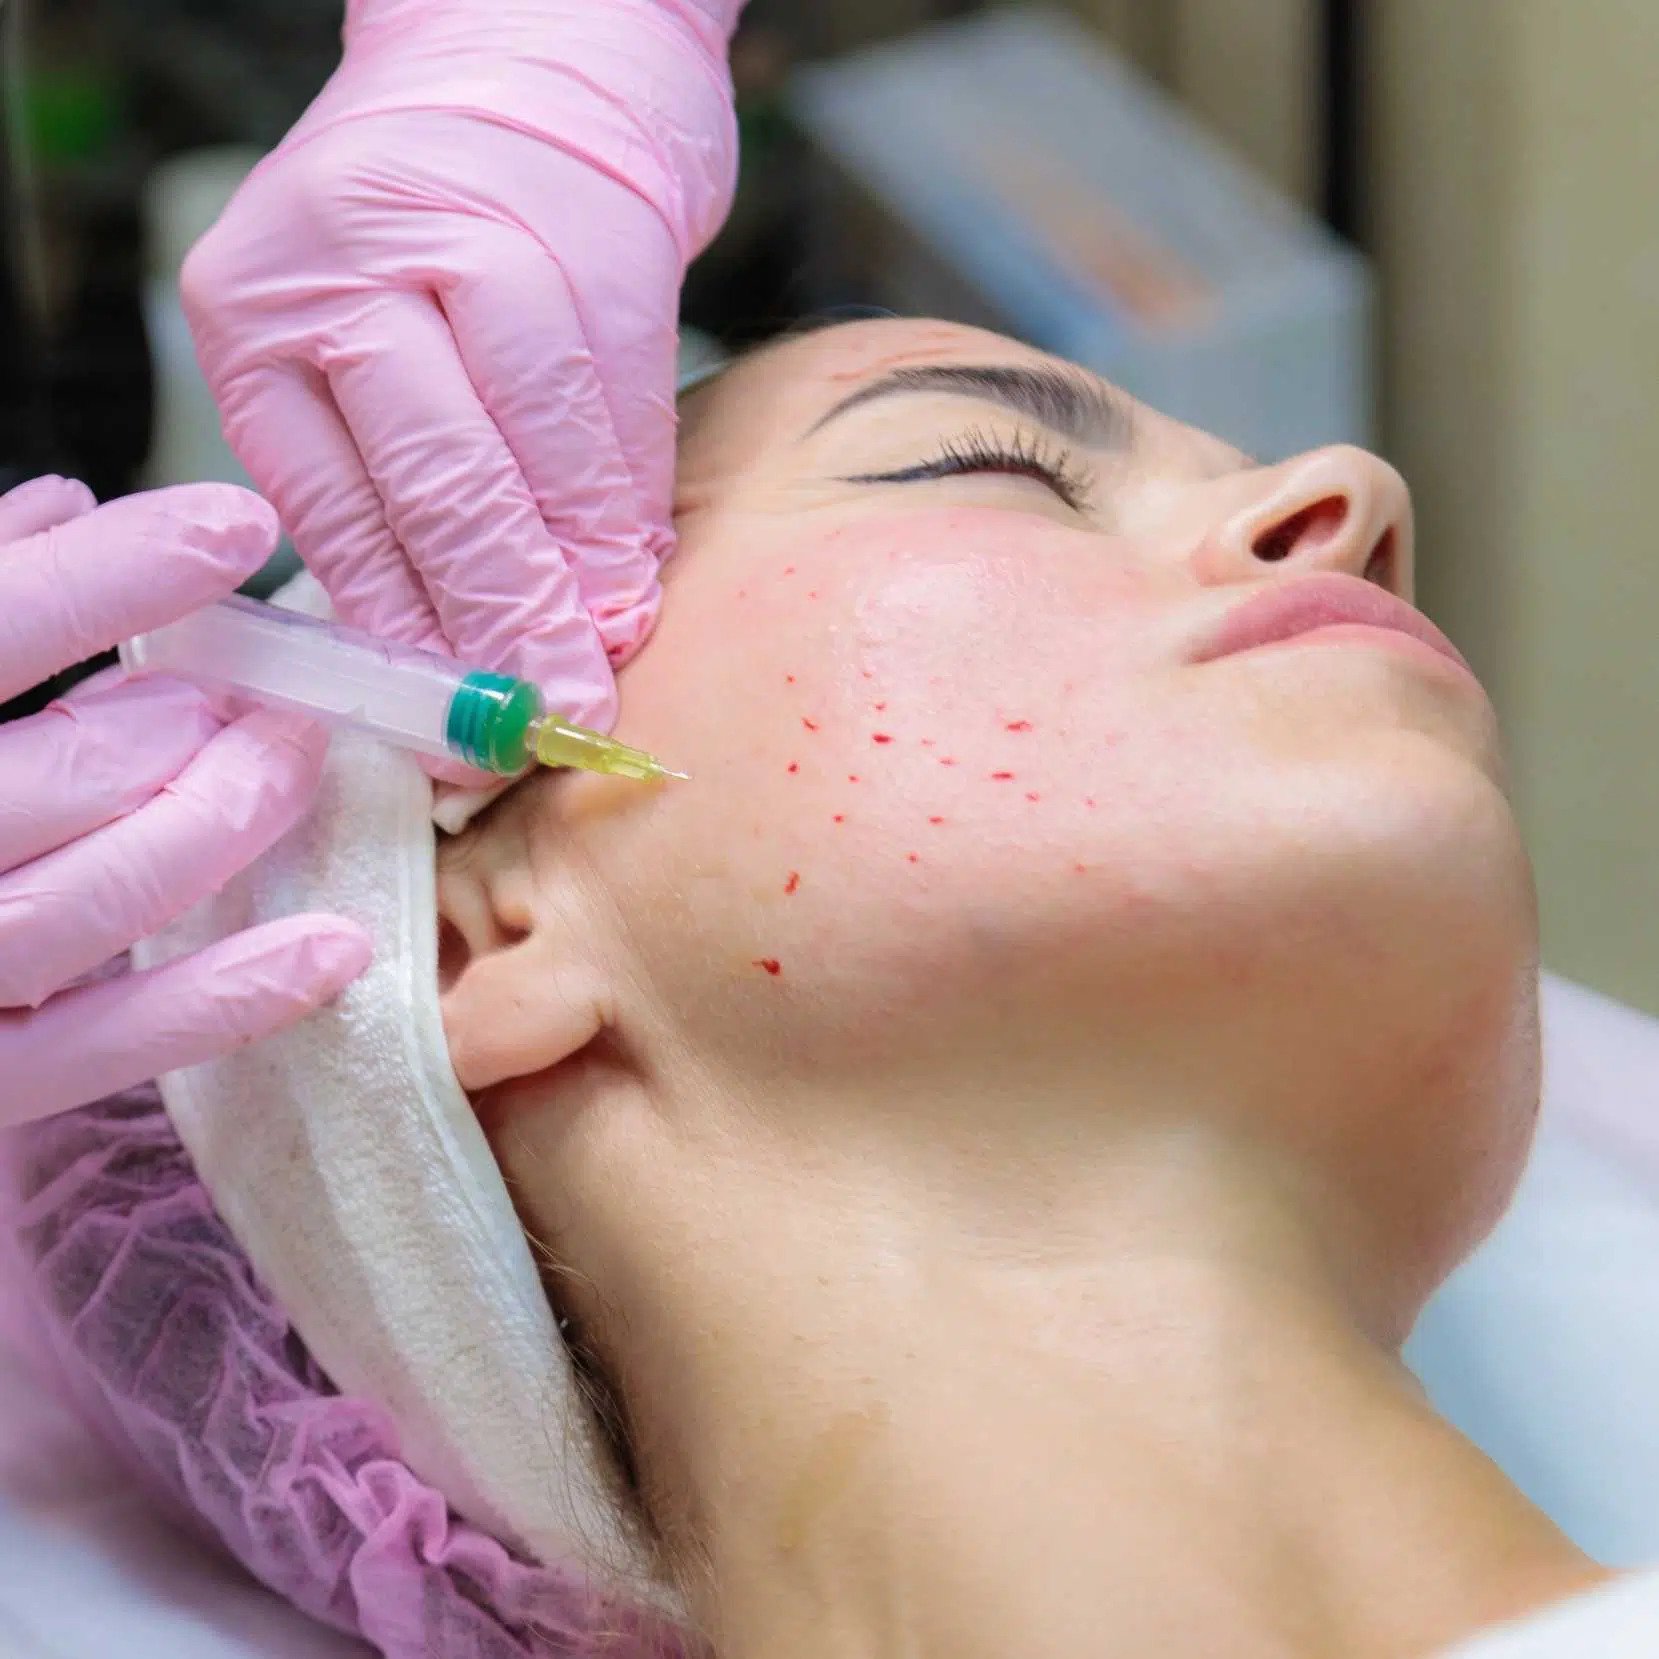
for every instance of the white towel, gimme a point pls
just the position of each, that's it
(349, 1164)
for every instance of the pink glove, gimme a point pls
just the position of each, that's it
(440, 320)
(128, 801)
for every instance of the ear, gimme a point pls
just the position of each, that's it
(517, 997)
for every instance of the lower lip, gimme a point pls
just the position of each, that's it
(1382, 639)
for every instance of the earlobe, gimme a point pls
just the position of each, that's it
(511, 1007)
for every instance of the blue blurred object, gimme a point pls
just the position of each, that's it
(1008, 170)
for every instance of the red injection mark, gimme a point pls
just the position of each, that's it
(770, 963)
(811, 725)
(794, 766)
(793, 882)
(936, 820)
(1001, 777)
(881, 737)
(1018, 726)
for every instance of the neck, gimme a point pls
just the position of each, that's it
(1133, 1427)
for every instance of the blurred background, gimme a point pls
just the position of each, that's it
(1423, 224)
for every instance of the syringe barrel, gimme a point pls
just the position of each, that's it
(335, 674)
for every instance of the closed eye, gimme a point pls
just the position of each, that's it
(1023, 456)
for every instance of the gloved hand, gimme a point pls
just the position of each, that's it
(440, 320)
(124, 803)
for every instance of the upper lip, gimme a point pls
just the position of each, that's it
(1286, 609)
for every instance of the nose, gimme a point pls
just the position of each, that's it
(1339, 509)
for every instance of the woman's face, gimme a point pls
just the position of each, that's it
(985, 798)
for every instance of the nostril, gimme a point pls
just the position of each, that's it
(1308, 528)
(1379, 568)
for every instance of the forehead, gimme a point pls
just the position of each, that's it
(847, 353)
(807, 372)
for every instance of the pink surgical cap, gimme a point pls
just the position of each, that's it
(175, 1350)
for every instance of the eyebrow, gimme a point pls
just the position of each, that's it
(1076, 406)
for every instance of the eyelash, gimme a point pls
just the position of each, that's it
(1024, 455)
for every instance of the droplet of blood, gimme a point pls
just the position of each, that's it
(770, 963)
(1001, 777)
(794, 766)
(793, 882)
(1018, 726)
(881, 737)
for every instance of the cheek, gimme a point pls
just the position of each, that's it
(943, 696)
(978, 642)
(969, 667)
(909, 741)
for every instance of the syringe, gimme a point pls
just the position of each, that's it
(405, 696)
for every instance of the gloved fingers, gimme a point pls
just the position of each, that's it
(335, 516)
(579, 379)
(222, 703)
(91, 758)
(40, 503)
(64, 914)
(80, 587)
(90, 1041)
(639, 345)
(458, 502)
(329, 503)
(626, 272)
(116, 674)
